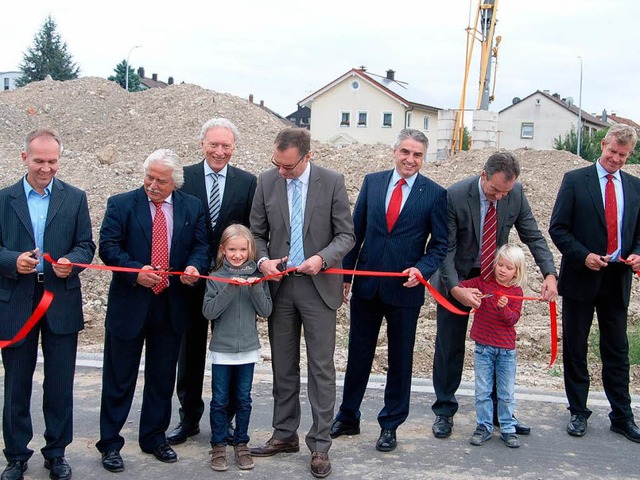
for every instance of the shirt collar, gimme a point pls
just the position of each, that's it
(395, 177)
(168, 200)
(208, 170)
(483, 198)
(602, 173)
(28, 188)
(304, 178)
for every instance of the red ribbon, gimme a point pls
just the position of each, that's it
(35, 317)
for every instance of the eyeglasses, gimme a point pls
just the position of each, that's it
(286, 167)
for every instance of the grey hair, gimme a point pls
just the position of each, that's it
(414, 134)
(168, 158)
(42, 132)
(624, 135)
(219, 123)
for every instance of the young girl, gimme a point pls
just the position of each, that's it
(234, 345)
(494, 332)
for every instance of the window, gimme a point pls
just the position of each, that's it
(363, 119)
(526, 130)
(355, 85)
(345, 119)
(387, 119)
(425, 126)
(409, 118)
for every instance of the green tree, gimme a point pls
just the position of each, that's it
(120, 76)
(590, 149)
(465, 138)
(47, 56)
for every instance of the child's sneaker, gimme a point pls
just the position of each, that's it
(510, 440)
(243, 456)
(219, 458)
(480, 436)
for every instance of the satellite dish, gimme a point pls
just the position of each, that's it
(515, 100)
(569, 101)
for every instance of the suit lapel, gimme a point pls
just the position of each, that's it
(414, 196)
(592, 184)
(473, 200)
(380, 196)
(280, 194)
(179, 219)
(143, 214)
(19, 204)
(228, 194)
(58, 195)
(631, 197)
(315, 185)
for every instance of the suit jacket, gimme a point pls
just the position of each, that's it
(327, 229)
(463, 207)
(578, 228)
(67, 234)
(125, 241)
(418, 238)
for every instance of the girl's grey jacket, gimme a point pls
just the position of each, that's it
(233, 308)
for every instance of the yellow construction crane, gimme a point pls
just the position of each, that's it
(482, 31)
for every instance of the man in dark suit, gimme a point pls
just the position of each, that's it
(234, 193)
(154, 228)
(596, 226)
(301, 218)
(413, 240)
(41, 214)
(468, 202)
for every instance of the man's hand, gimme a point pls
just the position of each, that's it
(549, 288)
(412, 281)
(311, 266)
(270, 267)
(346, 292)
(148, 279)
(63, 267)
(470, 297)
(26, 263)
(188, 277)
(596, 262)
(633, 261)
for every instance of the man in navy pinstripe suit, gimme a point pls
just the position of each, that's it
(38, 214)
(416, 244)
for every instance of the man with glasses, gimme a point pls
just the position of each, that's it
(226, 193)
(288, 197)
(401, 226)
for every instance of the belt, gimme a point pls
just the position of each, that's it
(40, 277)
(298, 274)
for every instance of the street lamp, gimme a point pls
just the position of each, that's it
(126, 76)
(580, 112)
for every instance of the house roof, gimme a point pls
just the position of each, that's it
(625, 121)
(151, 83)
(587, 117)
(398, 90)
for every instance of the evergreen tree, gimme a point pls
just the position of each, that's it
(119, 77)
(47, 56)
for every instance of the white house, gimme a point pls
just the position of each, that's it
(537, 120)
(8, 80)
(362, 107)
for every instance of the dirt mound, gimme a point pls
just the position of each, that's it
(107, 134)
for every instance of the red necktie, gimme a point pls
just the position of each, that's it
(489, 231)
(393, 212)
(611, 215)
(160, 247)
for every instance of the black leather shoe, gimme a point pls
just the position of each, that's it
(387, 441)
(339, 428)
(577, 426)
(112, 461)
(629, 429)
(442, 426)
(181, 433)
(164, 453)
(521, 428)
(58, 468)
(14, 471)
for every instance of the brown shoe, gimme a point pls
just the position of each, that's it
(274, 446)
(219, 458)
(320, 464)
(243, 456)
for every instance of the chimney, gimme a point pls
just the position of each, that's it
(391, 75)
(363, 68)
(261, 103)
(546, 91)
(170, 82)
(141, 72)
(556, 96)
(604, 115)
(154, 77)
(251, 98)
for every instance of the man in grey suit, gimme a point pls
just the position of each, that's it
(467, 205)
(41, 214)
(287, 198)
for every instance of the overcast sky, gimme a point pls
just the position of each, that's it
(283, 50)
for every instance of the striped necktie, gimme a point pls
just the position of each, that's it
(214, 200)
(489, 231)
(296, 251)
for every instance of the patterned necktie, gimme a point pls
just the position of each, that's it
(160, 247)
(489, 231)
(214, 200)
(296, 251)
(393, 211)
(611, 215)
